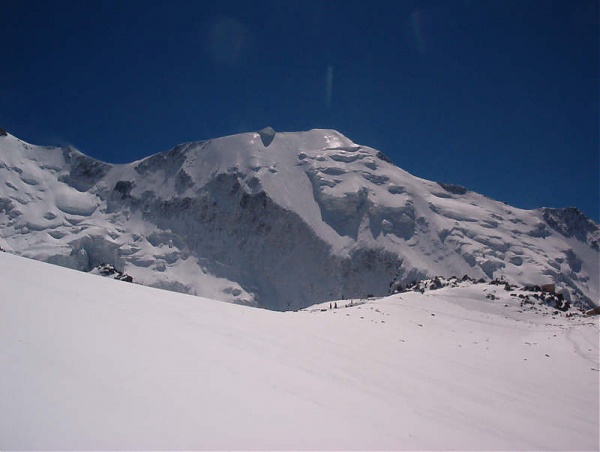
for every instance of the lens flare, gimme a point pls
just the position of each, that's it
(329, 86)
(416, 22)
(226, 40)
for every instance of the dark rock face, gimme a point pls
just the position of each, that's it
(110, 271)
(183, 181)
(527, 295)
(170, 161)
(385, 158)
(85, 171)
(2, 132)
(540, 230)
(573, 261)
(571, 222)
(454, 189)
(123, 187)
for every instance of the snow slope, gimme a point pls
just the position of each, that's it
(279, 220)
(93, 363)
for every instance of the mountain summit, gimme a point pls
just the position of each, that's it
(279, 220)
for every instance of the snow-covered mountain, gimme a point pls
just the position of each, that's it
(279, 220)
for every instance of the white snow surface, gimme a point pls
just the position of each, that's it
(308, 218)
(89, 363)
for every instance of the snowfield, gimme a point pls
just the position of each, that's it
(92, 363)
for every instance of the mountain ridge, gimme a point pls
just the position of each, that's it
(279, 220)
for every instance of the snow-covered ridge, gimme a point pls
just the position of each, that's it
(279, 220)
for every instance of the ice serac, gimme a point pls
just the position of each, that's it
(279, 220)
(266, 135)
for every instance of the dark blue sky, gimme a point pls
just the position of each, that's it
(501, 96)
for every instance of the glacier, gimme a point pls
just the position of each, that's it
(280, 221)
